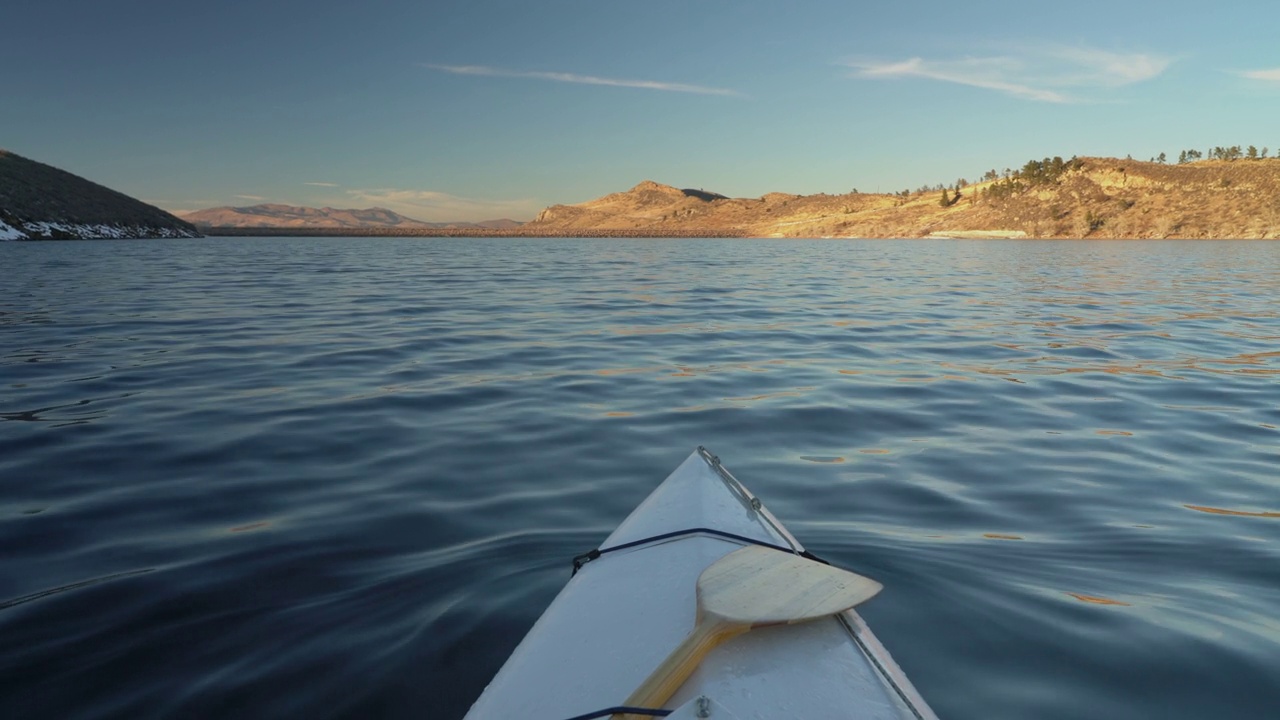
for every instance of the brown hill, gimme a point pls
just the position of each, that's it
(294, 217)
(1084, 197)
(647, 205)
(41, 202)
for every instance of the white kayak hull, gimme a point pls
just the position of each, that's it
(620, 616)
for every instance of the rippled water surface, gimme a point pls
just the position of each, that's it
(341, 478)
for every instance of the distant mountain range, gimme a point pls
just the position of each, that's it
(1228, 196)
(41, 202)
(295, 217)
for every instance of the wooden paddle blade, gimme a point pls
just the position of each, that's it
(749, 588)
(758, 586)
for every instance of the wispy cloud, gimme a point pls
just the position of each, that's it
(434, 206)
(582, 79)
(1043, 75)
(1272, 75)
(259, 198)
(988, 73)
(1091, 67)
(321, 184)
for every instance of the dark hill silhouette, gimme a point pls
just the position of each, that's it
(39, 201)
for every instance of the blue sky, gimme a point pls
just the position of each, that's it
(489, 108)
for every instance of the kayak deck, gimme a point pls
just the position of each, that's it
(620, 616)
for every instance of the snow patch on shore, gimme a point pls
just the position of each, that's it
(87, 231)
(10, 233)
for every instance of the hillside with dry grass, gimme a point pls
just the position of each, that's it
(1083, 197)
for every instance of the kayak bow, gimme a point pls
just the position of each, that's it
(675, 574)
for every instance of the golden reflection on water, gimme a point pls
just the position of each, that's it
(687, 328)
(692, 371)
(1238, 513)
(768, 396)
(999, 536)
(1097, 600)
(822, 459)
(607, 372)
(937, 378)
(1026, 369)
(658, 330)
(1171, 370)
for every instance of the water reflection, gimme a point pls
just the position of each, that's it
(984, 425)
(12, 602)
(63, 413)
(1095, 600)
(1237, 513)
(250, 527)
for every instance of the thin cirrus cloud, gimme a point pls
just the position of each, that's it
(484, 70)
(1052, 74)
(1272, 75)
(322, 184)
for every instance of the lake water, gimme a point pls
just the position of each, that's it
(340, 478)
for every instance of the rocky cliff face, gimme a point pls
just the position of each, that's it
(41, 202)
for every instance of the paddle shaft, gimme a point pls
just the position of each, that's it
(663, 682)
